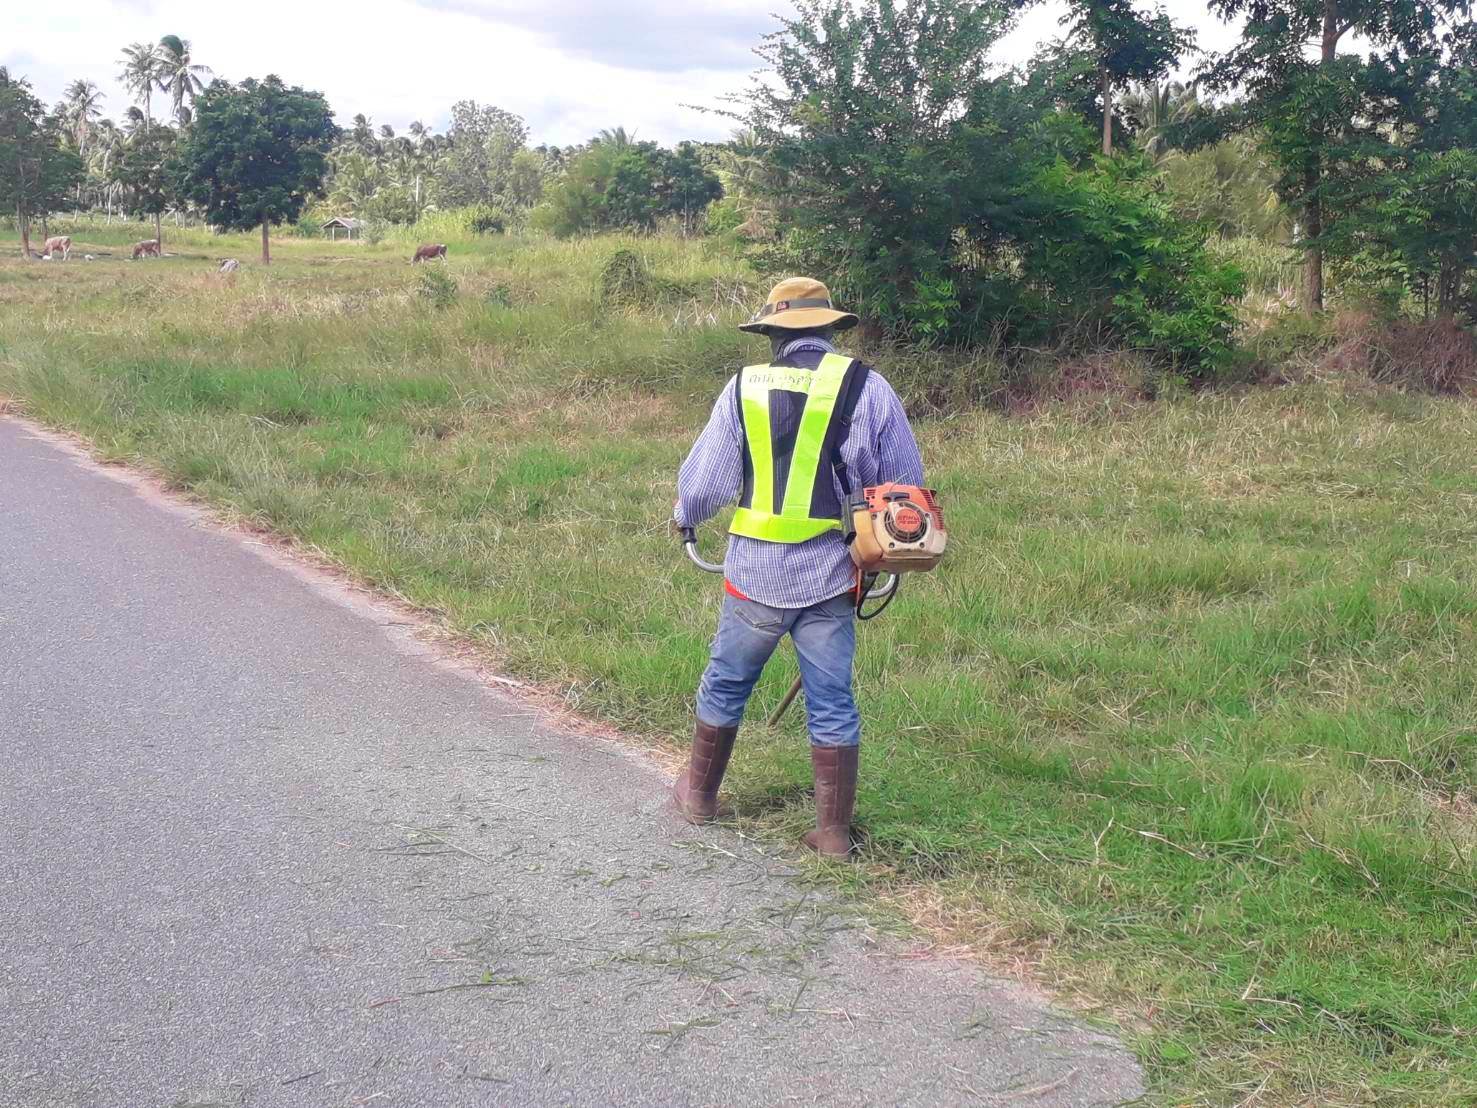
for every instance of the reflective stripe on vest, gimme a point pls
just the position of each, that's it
(821, 387)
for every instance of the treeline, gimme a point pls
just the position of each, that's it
(1081, 195)
(952, 200)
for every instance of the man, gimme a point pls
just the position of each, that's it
(785, 440)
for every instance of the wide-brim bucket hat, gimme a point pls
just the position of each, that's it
(799, 304)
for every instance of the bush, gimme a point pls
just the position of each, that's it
(436, 286)
(488, 220)
(1438, 356)
(724, 217)
(1111, 255)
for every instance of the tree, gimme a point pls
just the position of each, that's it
(144, 170)
(689, 185)
(81, 109)
(526, 179)
(616, 183)
(1158, 107)
(176, 74)
(1423, 218)
(886, 135)
(255, 154)
(483, 142)
(1124, 45)
(140, 74)
(36, 171)
(1316, 115)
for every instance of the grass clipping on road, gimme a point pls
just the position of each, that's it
(1186, 723)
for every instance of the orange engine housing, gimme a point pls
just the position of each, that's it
(899, 529)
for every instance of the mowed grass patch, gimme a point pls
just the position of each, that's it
(1187, 723)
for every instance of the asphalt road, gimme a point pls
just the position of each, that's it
(260, 847)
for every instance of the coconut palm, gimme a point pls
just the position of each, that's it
(81, 111)
(140, 74)
(1159, 106)
(619, 138)
(178, 75)
(134, 120)
(751, 179)
(107, 142)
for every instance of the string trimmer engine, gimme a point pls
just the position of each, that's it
(898, 529)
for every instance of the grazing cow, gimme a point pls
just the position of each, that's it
(229, 265)
(59, 244)
(149, 248)
(426, 253)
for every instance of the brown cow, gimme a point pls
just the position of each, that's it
(426, 253)
(59, 244)
(149, 248)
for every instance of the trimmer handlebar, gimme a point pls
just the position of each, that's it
(689, 544)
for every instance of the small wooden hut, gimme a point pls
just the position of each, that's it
(350, 227)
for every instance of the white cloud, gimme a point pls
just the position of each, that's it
(570, 67)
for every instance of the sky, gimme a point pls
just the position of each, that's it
(570, 67)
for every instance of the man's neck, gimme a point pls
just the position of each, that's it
(804, 344)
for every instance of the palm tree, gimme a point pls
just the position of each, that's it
(752, 181)
(106, 145)
(140, 74)
(134, 120)
(1160, 106)
(617, 138)
(80, 110)
(178, 76)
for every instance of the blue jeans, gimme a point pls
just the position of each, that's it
(825, 638)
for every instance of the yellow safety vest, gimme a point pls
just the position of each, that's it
(788, 493)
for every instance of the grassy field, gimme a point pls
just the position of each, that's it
(1187, 725)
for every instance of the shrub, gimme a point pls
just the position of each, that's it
(486, 219)
(1437, 356)
(724, 217)
(436, 286)
(1110, 254)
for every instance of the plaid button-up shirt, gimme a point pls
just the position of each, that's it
(880, 448)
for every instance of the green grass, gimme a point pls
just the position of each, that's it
(1187, 723)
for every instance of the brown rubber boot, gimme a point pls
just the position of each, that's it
(835, 798)
(696, 792)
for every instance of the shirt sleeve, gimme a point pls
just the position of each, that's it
(709, 479)
(898, 457)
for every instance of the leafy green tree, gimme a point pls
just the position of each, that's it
(255, 154)
(1423, 217)
(526, 179)
(36, 170)
(1123, 45)
(145, 171)
(631, 199)
(483, 143)
(616, 183)
(892, 151)
(1317, 115)
(690, 186)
